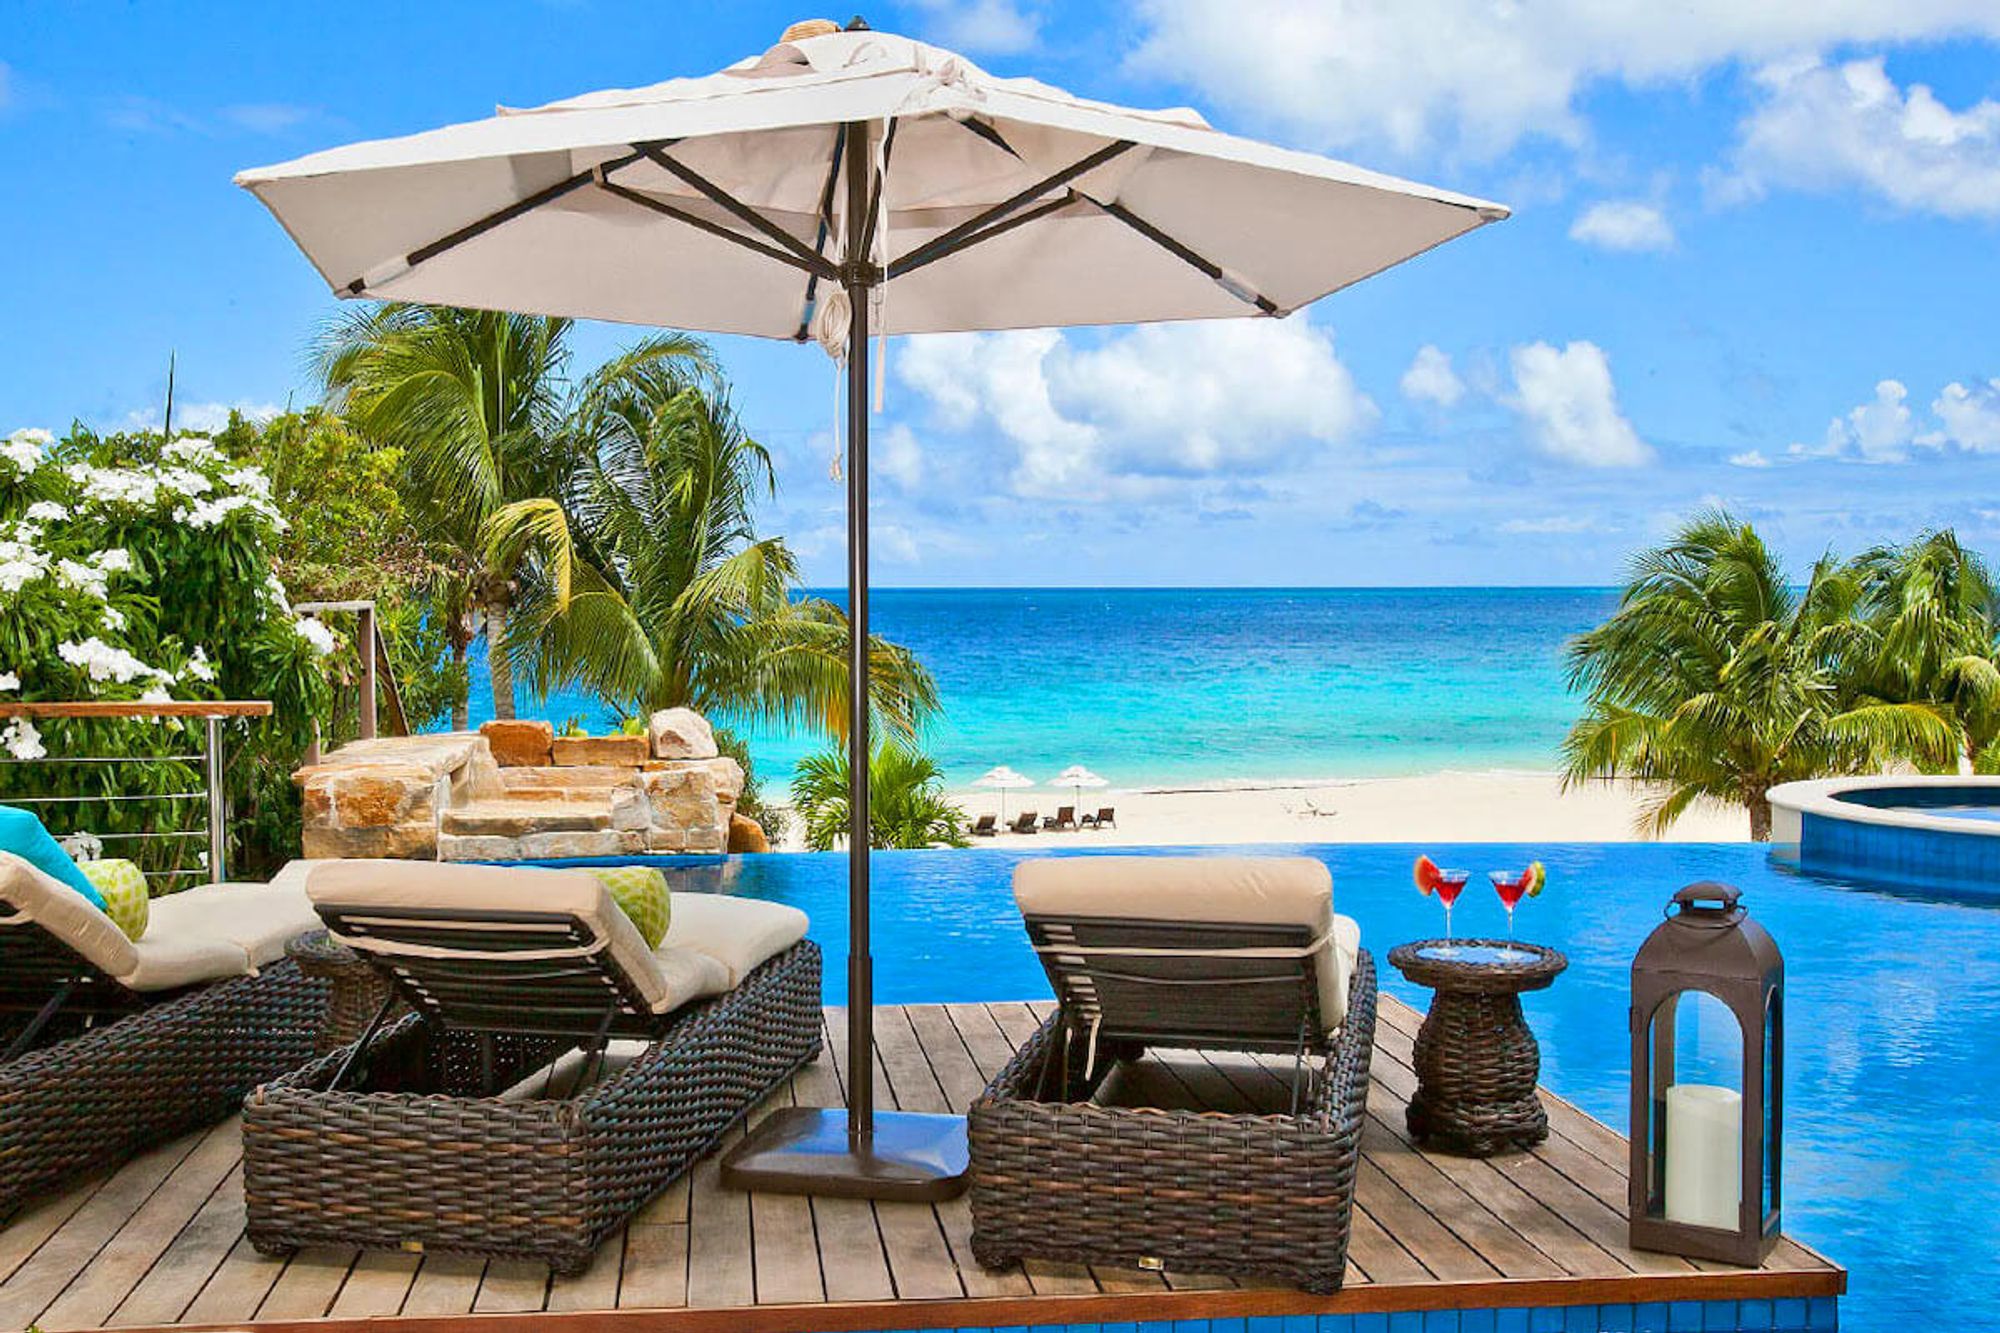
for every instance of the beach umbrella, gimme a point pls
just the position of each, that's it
(845, 183)
(1076, 777)
(1003, 780)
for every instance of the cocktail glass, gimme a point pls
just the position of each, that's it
(1512, 886)
(1450, 883)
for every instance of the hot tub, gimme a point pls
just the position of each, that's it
(1940, 834)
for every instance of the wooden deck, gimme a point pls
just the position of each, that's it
(160, 1242)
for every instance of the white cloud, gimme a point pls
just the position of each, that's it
(1970, 417)
(1749, 458)
(981, 27)
(1880, 430)
(1830, 127)
(204, 417)
(1623, 224)
(1221, 397)
(265, 117)
(1430, 378)
(899, 457)
(1570, 407)
(1480, 75)
(1561, 524)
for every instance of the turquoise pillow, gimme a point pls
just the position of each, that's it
(23, 835)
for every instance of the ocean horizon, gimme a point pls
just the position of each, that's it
(1207, 687)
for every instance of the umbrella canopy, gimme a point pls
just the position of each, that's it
(1004, 780)
(839, 180)
(1076, 777)
(710, 203)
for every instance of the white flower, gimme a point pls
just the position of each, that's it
(20, 563)
(274, 591)
(46, 511)
(158, 694)
(116, 485)
(9, 681)
(314, 633)
(192, 449)
(24, 449)
(114, 561)
(103, 662)
(198, 666)
(249, 480)
(208, 513)
(84, 578)
(183, 481)
(113, 618)
(82, 846)
(21, 740)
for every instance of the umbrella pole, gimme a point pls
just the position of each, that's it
(855, 1153)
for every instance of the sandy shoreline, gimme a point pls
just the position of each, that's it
(1434, 807)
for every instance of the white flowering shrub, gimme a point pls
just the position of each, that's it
(133, 568)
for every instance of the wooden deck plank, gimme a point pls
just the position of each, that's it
(58, 1260)
(161, 1241)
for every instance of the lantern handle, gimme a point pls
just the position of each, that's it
(1709, 898)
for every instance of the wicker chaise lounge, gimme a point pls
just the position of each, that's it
(1240, 954)
(109, 1046)
(504, 1117)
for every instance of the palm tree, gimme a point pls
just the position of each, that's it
(477, 402)
(1716, 680)
(907, 806)
(1931, 606)
(673, 599)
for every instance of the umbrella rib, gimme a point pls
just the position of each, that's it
(1001, 228)
(984, 130)
(881, 184)
(813, 259)
(1190, 257)
(714, 228)
(825, 226)
(969, 232)
(500, 216)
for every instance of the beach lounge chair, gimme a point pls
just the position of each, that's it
(508, 1116)
(1238, 954)
(985, 827)
(1026, 822)
(109, 1046)
(1063, 818)
(1106, 817)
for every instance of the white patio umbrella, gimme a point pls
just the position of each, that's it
(1076, 777)
(1003, 780)
(843, 183)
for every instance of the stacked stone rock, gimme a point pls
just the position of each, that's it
(516, 791)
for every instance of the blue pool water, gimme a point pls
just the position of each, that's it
(1893, 1088)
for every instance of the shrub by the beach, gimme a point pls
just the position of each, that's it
(1717, 679)
(907, 805)
(138, 568)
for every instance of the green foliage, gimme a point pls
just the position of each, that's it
(750, 803)
(907, 806)
(136, 568)
(1931, 607)
(1716, 680)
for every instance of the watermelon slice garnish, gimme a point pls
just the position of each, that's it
(1427, 876)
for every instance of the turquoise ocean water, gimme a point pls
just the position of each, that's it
(1204, 686)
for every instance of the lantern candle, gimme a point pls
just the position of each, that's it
(1704, 1155)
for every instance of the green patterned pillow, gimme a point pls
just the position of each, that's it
(642, 892)
(123, 889)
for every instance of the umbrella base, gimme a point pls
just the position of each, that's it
(806, 1150)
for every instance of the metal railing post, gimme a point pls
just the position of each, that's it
(218, 814)
(365, 632)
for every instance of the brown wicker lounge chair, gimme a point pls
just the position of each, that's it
(107, 1048)
(1106, 817)
(1214, 953)
(985, 827)
(1026, 822)
(500, 1118)
(1063, 818)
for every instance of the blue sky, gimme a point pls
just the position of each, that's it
(1754, 261)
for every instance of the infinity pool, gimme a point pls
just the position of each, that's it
(1893, 1085)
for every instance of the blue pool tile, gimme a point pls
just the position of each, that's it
(1441, 1321)
(1615, 1318)
(1371, 1323)
(1511, 1321)
(1269, 1323)
(1328, 1323)
(1226, 1326)
(1650, 1317)
(1789, 1314)
(1822, 1314)
(1754, 1316)
(1477, 1321)
(1191, 1326)
(1406, 1321)
(1684, 1316)
(1548, 1319)
(1580, 1319)
(1721, 1316)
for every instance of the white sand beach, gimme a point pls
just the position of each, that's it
(1433, 807)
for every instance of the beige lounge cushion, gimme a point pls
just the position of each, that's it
(1255, 890)
(355, 886)
(169, 959)
(739, 933)
(258, 918)
(42, 900)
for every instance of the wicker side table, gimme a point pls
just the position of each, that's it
(1477, 1061)
(355, 990)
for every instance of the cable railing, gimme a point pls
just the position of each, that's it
(213, 821)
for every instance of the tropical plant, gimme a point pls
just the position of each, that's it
(672, 597)
(476, 402)
(1930, 605)
(907, 806)
(1715, 680)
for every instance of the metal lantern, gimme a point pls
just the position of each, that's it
(1708, 1042)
